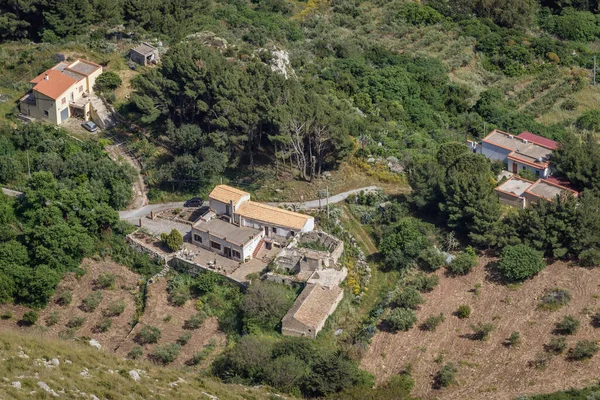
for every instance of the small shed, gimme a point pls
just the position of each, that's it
(144, 54)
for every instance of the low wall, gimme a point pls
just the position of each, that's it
(180, 264)
(143, 248)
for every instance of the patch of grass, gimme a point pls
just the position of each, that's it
(464, 311)
(554, 299)
(76, 322)
(135, 353)
(184, 339)
(6, 315)
(481, 331)
(446, 376)
(583, 350)
(195, 321)
(105, 280)
(148, 334)
(166, 354)
(52, 318)
(514, 340)
(431, 323)
(557, 345)
(567, 326)
(115, 309)
(65, 298)
(103, 325)
(197, 358)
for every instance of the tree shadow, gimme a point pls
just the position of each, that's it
(493, 275)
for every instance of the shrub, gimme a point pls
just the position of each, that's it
(195, 321)
(589, 120)
(446, 376)
(65, 298)
(30, 318)
(179, 297)
(184, 339)
(76, 322)
(6, 315)
(173, 240)
(514, 339)
(464, 311)
(197, 358)
(520, 262)
(541, 361)
(148, 334)
(424, 283)
(595, 321)
(583, 350)
(462, 264)
(568, 326)
(409, 297)
(589, 258)
(431, 323)
(115, 309)
(106, 280)
(401, 319)
(431, 258)
(52, 318)
(92, 301)
(554, 299)
(135, 353)
(482, 331)
(557, 345)
(166, 354)
(569, 104)
(103, 325)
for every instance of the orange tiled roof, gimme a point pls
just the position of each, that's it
(55, 86)
(272, 215)
(225, 194)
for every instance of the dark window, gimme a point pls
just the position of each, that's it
(274, 230)
(197, 238)
(236, 254)
(537, 173)
(215, 245)
(46, 113)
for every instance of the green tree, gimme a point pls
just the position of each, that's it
(173, 240)
(107, 81)
(520, 262)
(403, 243)
(265, 304)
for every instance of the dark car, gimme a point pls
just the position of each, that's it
(195, 202)
(90, 126)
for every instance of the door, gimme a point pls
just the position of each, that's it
(266, 231)
(228, 252)
(64, 114)
(515, 168)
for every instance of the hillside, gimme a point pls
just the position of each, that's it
(34, 367)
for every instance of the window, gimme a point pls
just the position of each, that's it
(537, 173)
(215, 245)
(64, 100)
(292, 233)
(197, 238)
(236, 254)
(45, 113)
(274, 230)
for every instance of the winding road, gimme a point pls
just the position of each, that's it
(306, 205)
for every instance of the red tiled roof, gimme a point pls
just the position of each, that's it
(542, 141)
(55, 86)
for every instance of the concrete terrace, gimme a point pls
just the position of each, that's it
(514, 186)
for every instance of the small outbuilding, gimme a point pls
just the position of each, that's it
(144, 54)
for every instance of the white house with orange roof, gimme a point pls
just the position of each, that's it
(237, 227)
(61, 92)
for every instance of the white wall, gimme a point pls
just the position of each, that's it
(543, 173)
(217, 206)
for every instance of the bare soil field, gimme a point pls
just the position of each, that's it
(119, 337)
(125, 289)
(490, 369)
(170, 320)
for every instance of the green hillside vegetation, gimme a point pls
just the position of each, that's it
(109, 376)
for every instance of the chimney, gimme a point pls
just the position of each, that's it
(46, 77)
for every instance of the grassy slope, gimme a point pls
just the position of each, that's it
(155, 381)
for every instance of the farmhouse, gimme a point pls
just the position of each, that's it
(61, 92)
(520, 153)
(144, 54)
(237, 227)
(521, 193)
(311, 310)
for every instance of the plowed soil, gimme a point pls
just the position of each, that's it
(490, 369)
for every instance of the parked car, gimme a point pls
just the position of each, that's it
(90, 126)
(194, 202)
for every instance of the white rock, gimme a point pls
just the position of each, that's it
(47, 389)
(210, 396)
(55, 362)
(85, 373)
(93, 397)
(177, 382)
(134, 375)
(16, 385)
(23, 355)
(95, 343)
(68, 362)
